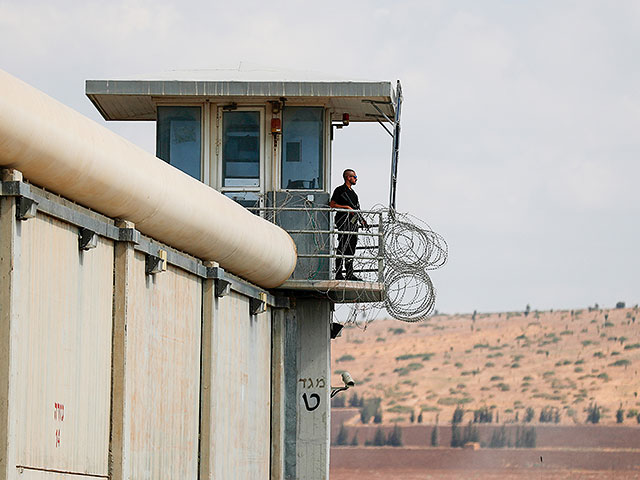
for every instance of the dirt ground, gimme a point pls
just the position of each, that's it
(408, 463)
(405, 474)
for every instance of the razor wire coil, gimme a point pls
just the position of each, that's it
(408, 248)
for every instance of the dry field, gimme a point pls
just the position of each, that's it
(409, 474)
(508, 362)
(505, 361)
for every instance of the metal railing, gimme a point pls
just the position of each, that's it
(314, 231)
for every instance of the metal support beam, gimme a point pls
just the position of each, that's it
(31, 197)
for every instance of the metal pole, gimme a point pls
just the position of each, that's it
(396, 149)
(380, 249)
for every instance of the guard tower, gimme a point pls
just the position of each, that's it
(263, 138)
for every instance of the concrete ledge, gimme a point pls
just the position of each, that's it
(339, 291)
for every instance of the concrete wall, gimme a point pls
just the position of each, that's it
(163, 373)
(109, 372)
(302, 345)
(59, 320)
(237, 443)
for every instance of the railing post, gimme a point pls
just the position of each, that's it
(332, 246)
(380, 248)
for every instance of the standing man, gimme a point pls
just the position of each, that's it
(345, 197)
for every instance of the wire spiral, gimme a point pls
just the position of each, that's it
(405, 247)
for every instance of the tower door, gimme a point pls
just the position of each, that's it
(241, 155)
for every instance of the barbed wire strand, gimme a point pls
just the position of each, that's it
(409, 249)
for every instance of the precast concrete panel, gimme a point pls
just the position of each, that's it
(163, 373)
(61, 350)
(307, 375)
(238, 437)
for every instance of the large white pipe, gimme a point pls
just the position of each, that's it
(58, 148)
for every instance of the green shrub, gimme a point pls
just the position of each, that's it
(499, 438)
(400, 409)
(341, 439)
(623, 362)
(458, 413)
(370, 407)
(449, 401)
(410, 356)
(529, 414)
(402, 371)
(435, 440)
(379, 439)
(620, 415)
(525, 437)
(593, 413)
(483, 415)
(345, 358)
(395, 437)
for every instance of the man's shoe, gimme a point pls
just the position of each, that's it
(353, 278)
(339, 276)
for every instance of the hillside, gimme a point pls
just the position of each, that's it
(508, 362)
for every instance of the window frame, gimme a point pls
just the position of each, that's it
(205, 159)
(262, 177)
(324, 157)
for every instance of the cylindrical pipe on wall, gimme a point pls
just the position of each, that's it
(59, 149)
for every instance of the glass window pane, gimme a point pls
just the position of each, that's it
(302, 141)
(241, 149)
(179, 138)
(246, 199)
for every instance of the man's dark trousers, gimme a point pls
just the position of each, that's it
(347, 244)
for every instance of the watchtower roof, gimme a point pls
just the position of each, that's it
(135, 98)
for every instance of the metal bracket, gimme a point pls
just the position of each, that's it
(258, 305)
(223, 287)
(156, 264)
(87, 239)
(26, 208)
(337, 390)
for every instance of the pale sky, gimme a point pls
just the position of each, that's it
(520, 127)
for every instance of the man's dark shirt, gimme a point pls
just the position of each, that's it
(343, 195)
